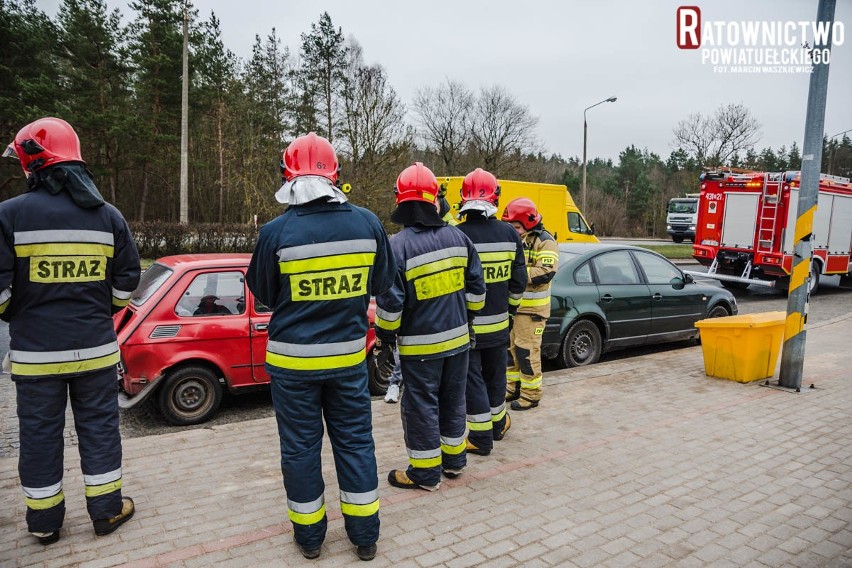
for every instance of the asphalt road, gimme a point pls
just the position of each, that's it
(829, 302)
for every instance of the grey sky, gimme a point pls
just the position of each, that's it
(559, 57)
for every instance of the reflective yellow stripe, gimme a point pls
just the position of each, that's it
(477, 427)
(425, 462)
(436, 266)
(95, 490)
(514, 301)
(475, 306)
(316, 363)
(454, 450)
(359, 510)
(119, 302)
(317, 264)
(432, 348)
(64, 249)
(534, 302)
(307, 518)
(38, 369)
(512, 376)
(499, 416)
(491, 327)
(47, 503)
(534, 383)
(389, 325)
(498, 256)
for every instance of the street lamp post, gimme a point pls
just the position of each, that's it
(585, 137)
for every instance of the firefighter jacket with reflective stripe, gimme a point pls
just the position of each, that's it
(64, 270)
(438, 285)
(503, 264)
(316, 266)
(542, 254)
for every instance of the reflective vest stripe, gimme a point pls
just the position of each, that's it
(333, 248)
(534, 299)
(35, 363)
(317, 264)
(424, 458)
(475, 302)
(359, 504)
(388, 320)
(102, 478)
(452, 446)
(41, 504)
(515, 299)
(306, 513)
(435, 261)
(64, 249)
(496, 247)
(512, 376)
(64, 236)
(491, 324)
(433, 343)
(120, 298)
(316, 357)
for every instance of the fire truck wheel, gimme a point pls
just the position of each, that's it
(582, 345)
(814, 283)
(190, 395)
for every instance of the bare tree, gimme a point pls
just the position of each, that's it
(502, 130)
(443, 114)
(714, 140)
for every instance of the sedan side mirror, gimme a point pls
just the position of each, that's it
(678, 283)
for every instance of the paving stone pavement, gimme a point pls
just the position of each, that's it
(637, 462)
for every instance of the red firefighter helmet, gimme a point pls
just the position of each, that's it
(523, 211)
(45, 142)
(416, 183)
(480, 185)
(310, 155)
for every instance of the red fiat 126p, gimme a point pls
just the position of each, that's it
(193, 329)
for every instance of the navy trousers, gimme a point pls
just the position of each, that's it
(486, 394)
(433, 415)
(344, 402)
(41, 403)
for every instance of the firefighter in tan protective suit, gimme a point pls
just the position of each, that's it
(523, 375)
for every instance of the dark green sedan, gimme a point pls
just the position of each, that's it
(606, 297)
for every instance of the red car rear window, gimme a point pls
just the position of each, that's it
(151, 281)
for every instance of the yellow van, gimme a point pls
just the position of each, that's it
(560, 214)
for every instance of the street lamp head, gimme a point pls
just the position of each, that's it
(612, 99)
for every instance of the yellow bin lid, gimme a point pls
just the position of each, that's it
(764, 319)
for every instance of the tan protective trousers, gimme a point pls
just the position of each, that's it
(525, 356)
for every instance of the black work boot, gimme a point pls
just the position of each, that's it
(47, 538)
(309, 553)
(106, 526)
(367, 552)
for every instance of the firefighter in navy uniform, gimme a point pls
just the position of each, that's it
(317, 265)
(523, 376)
(67, 263)
(428, 314)
(502, 256)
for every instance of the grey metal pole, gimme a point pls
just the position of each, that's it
(793, 354)
(184, 125)
(585, 135)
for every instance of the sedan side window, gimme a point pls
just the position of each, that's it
(583, 275)
(616, 268)
(657, 270)
(212, 294)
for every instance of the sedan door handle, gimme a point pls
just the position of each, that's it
(657, 296)
(261, 326)
(606, 298)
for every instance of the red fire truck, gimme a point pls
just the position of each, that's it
(746, 223)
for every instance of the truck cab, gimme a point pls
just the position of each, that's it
(681, 217)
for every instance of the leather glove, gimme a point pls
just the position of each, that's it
(472, 334)
(383, 354)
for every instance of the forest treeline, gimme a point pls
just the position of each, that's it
(116, 77)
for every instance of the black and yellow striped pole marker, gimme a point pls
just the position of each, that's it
(793, 354)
